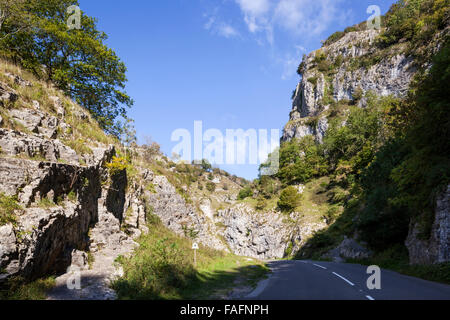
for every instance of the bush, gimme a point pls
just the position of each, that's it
(211, 186)
(289, 199)
(261, 203)
(8, 207)
(117, 165)
(245, 193)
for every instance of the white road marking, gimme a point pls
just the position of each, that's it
(320, 266)
(370, 298)
(338, 275)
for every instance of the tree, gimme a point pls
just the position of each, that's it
(152, 148)
(289, 199)
(13, 17)
(76, 61)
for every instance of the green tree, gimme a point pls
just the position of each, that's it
(245, 193)
(76, 61)
(289, 199)
(300, 161)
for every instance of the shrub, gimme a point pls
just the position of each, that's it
(261, 203)
(8, 207)
(289, 199)
(245, 193)
(211, 186)
(117, 165)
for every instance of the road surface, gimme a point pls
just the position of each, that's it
(310, 280)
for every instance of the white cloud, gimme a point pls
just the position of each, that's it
(300, 16)
(215, 26)
(227, 31)
(306, 17)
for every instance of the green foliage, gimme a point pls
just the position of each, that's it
(424, 122)
(396, 258)
(206, 165)
(18, 289)
(8, 207)
(162, 268)
(416, 22)
(117, 165)
(210, 186)
(151, 187)
(261, 203)
(290, 199)
(245, 193)
(300, 161)
(76, 61)
(313, 80)
(46, 203)
(334, 37)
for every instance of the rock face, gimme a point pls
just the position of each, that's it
(253, 234)
(348, 249)
(178, 216)
(390, 76)
(269, 235)
(437, 248)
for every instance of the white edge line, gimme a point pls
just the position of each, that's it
(320, 266)
(370, 298)
(337, 275)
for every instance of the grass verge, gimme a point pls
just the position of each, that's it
(18, 289)
(162, 268)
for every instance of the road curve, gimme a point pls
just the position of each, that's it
(311, 280)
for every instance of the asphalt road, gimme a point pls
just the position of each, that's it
(310, 280)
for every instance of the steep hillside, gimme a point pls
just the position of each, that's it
(74, 198)
(371, 113)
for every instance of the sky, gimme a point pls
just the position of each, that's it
(228, 63)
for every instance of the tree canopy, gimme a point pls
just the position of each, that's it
(36, 35)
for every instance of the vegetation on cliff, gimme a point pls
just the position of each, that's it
(386, 162)
(35, 34)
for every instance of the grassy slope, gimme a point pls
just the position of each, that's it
(163, 268)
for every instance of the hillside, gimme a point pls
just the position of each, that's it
(73, 196)
(374, 103)
(364, 171)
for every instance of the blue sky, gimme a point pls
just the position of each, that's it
(229, 63)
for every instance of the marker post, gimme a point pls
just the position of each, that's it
(195, 248)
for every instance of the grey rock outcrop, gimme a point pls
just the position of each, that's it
(437, 248)
(390, 76)
(179, 216)
(263, 235)
(15, 143)
(348, 249)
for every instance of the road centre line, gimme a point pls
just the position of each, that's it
(338, 275)
(320, 266)
(370, 298)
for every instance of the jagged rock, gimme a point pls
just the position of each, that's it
(7, 94)
(391, 76)
(59, 108)
(79, 260)
(36, 105)
(254, 235)
(348, 249)
(30, 119)
(18, 80)
(179, 216)
(15, 143)
(437, 248)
